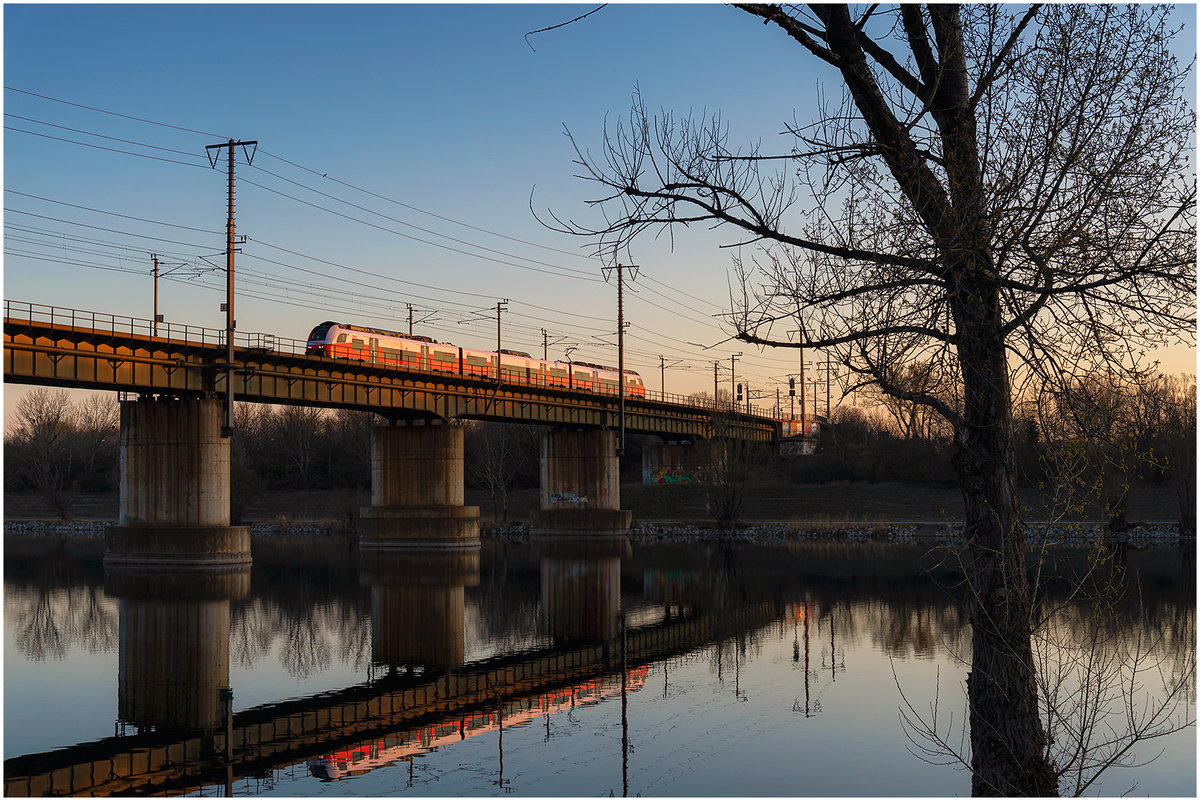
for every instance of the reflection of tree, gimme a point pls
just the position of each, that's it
(305, 650)
(251, 632)
(39, 633)
(94, 620)
(1107, 686)
(353, 636)
(47, 623)
(1115, 669)
(307, 636)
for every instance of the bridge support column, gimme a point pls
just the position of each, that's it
(417, 490)
(674, 463)
(581, 486)
(175, 487)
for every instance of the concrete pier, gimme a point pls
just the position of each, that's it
(175, 487)
(581, 484)
(417, 490)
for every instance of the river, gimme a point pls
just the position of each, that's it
(549, 668)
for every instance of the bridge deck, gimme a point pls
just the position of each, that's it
(68, 348)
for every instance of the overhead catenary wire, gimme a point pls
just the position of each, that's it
(377, 195)
(667, 298)
(342, 183)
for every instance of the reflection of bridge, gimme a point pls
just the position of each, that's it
(405, 745)
(175, 452)
(277, 735)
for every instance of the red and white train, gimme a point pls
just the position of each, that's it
(422, 353)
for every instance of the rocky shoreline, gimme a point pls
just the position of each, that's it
(1140, 535)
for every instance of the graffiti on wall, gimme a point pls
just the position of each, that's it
(674, 475)
(568, 497)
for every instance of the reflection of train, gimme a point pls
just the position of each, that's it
(422, 353)
(368, 756)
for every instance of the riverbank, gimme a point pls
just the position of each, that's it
(834, 503)
(773, 511)
(1038, 534)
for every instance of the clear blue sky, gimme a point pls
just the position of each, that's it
(445, 108)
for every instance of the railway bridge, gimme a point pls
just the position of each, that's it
(175, 455)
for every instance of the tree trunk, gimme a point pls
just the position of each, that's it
(1007, 739)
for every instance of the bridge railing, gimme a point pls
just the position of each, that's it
(77, 319)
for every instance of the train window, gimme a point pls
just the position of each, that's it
(553, 373)
(412, 356)
(321, 330)
(342, 338)
(443, 356)
(389, 353)
(358, 344)
(477, 360)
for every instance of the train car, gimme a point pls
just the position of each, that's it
(412, 352)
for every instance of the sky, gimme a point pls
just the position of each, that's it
(402, 151)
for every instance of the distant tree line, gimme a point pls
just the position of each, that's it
(56, 449)
(1091, 446)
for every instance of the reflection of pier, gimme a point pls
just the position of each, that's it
(276, 735)
(407, 744)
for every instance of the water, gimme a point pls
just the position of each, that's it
(748, 670)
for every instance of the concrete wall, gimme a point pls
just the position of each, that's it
(417, 490)
(674, 463)
(174, 463)
(417, 465)
(581, 482)
(174, 506)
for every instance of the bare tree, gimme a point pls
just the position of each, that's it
(1011, 198)
(296, 432)
(496, 455)
(913, 420)
(97, 423)
(731, 463)
(1178, 438)
(43, 444)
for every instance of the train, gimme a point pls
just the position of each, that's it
(415, 352)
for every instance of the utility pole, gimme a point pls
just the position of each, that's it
(803, 427)
(620, 268)
(158, 272)
(545, 346)
(500, 306)
(410, 318)
(715, 383)
(154, 325)
(827, 364)
(732, 380)
(230, 241)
